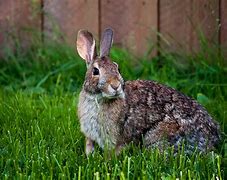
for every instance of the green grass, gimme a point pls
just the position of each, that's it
(40, 133)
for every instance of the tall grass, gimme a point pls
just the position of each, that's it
(40, 133)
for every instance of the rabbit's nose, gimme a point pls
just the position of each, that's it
(115, 85)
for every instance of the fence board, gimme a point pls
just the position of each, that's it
(223, 35)
(181, 22)
(17, 20)
(134, 23)
(174, 24)
(206, 20)
(69, 16)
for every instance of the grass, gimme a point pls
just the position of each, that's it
(40, 133)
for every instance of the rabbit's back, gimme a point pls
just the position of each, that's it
(156, 112)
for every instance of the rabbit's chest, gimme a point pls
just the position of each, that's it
(91, 123)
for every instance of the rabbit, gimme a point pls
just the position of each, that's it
(113, 112)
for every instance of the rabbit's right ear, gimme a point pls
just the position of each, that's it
(106, 42)
(86, 46)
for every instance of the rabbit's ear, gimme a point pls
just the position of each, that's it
(86, 46)
(106, 42)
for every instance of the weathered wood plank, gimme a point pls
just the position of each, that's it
(18, 18)
(134, 23)
(69, 16)
(181, 23)
(175, 27)
(223, 13)
(205, 19)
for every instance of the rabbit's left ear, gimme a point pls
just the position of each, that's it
(106, 42)
(86, 46)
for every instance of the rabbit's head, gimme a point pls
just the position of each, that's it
(102, 76)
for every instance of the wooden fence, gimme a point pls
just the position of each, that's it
(139, 25)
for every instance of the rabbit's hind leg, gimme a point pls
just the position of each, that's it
(163, 135)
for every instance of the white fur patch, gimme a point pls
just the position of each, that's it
(91, 122)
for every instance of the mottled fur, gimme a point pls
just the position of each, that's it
(113, 113)
(162, 112)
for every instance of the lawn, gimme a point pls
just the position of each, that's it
(40, 132)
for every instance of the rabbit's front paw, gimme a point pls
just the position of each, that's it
(89, 146)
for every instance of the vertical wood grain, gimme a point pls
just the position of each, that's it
(182, 22)
(68, 16)
(175, 25)
(223, 14)
(18, 20)
(205, 20)
(134, 23)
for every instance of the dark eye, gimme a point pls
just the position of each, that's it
(95, 71)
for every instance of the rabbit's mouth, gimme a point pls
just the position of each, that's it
(115, 95)
(112, 93)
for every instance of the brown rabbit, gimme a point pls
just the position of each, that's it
(114, 113)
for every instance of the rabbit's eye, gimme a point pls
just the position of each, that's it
(95, 71)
